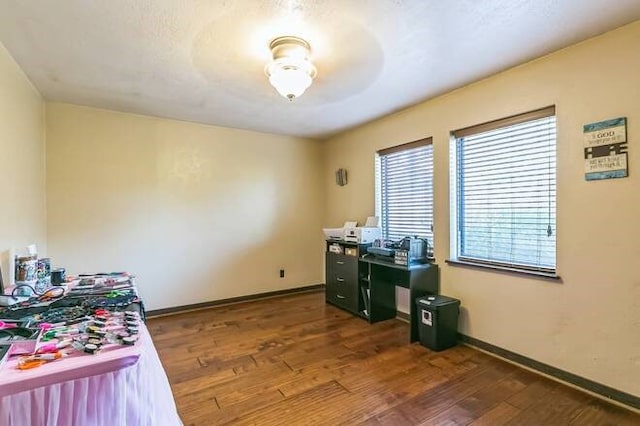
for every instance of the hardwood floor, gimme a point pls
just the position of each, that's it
(296, 360)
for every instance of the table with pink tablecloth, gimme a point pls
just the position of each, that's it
(121, 385)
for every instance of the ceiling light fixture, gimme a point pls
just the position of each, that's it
(291, 71)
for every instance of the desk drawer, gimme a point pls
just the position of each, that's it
(343, 277)
(341, 264)
(342, 296)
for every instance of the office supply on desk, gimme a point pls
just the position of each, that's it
(406, 251)
(366, 234)
(385, 253)
(411, 250)
(361, 235)
(336, 248)
(338, 233)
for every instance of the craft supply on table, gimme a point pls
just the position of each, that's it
(52, 342)
(4, 324)
(21, 340)
(58, 276)
(89, 318)
(26, 268)
(32, 361)
(54, 347)
(43, 275)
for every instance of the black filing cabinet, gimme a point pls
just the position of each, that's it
(342, 280)
(342, 275)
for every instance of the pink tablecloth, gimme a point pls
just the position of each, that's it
(119, 386)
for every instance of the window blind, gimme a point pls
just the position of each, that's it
(405, 191)
(506, 192)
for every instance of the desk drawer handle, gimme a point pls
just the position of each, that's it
(339, 296)
(340, 262)
(340, 280)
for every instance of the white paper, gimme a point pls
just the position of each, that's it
(350, 224)
(372, 222)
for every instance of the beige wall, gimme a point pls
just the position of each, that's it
(199, 213)
(588, 324)
(22, 189)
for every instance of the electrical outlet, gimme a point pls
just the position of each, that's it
(281, 273)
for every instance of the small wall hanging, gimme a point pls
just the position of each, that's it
(605, 149)
(341, 177)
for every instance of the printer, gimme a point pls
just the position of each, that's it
(337, 234)
(366, 234)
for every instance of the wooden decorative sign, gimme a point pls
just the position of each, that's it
(605, 149)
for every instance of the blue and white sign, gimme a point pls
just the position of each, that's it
(605, 149)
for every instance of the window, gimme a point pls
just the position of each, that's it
(404, 190)
(504, 193)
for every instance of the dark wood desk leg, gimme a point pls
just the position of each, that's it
(422, 282)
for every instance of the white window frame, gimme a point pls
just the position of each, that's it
(456, 257)
(428, 233)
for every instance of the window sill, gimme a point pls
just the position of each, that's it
(505, 269)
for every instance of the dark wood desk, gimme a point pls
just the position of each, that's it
(383, 277)
(366, 286)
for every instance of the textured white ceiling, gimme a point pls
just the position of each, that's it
(203, 60)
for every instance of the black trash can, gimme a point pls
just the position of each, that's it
(438, 321)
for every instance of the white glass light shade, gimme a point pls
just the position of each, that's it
(290, 72)
(290, 82)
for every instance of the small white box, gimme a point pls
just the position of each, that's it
(335, 248)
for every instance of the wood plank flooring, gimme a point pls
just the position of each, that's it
(295, 360)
